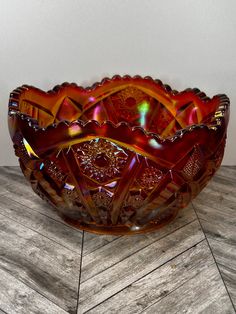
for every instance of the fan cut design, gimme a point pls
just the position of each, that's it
(122, 156)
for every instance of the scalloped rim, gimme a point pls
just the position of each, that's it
(33, 123)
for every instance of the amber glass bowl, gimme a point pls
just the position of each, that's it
(122, 156)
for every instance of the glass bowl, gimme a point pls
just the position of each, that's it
(120, 157)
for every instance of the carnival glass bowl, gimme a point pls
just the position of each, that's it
(122, 156)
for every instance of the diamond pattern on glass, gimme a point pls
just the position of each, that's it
(193, 164)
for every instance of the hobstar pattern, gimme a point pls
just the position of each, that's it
(120, 157)
(100, 159)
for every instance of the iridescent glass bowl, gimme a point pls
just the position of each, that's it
(120, 157)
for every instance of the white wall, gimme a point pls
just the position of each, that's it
(185, 43)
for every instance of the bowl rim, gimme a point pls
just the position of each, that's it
(219, 120)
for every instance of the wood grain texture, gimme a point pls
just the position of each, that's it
(225, 256)
(94, 242)
(45, 266)
(14, 185)
(227, 172)
(113, 279)
(48, 227)
(16, 297)
(204, 293)
(151, 288)
(126, 246)
(216, 209)
(168, 271)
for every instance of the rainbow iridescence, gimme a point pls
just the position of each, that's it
(122, 156)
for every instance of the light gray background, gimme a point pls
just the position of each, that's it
(185, 43)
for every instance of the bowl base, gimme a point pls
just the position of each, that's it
(122, 230)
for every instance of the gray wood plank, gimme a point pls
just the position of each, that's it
(30, 199)
(210, 203)
(42, 253)
(11, 173)
(126, 246)
(46, 226)
(2, 192)
(225, 255)
(11, 176)
(228, 172)
(16, 297)
(219, 184)
(96, 241)
(43, 265)
(203, 293)
(216, 209)
(160, 282)
(15, 186)
(110, 281)
(218, 223)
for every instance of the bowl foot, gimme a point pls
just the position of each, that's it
(122, 230)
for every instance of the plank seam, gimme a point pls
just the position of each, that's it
(38, 233)
(102, 245)
(214, 257)
(80, 270)
(39, 213)
(148, 273)
(172, 290)
(195, 219)
(24, 283)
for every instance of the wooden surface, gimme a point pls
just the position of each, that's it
(47, 266)
(216, 209)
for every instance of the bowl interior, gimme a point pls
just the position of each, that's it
(113, 178)
(141, 102)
